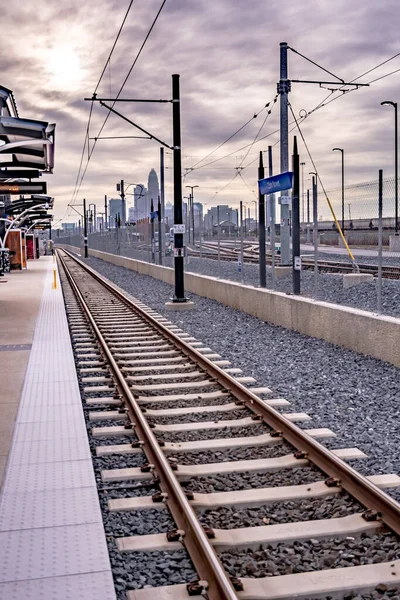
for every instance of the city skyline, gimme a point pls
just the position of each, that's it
(228, 57)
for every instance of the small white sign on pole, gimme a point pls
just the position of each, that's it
(179, 228)
(297, 263)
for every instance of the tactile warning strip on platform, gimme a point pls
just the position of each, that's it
(52, 542)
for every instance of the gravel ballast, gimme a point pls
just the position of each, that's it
(330, 285)
(138, 570)
(358, 397)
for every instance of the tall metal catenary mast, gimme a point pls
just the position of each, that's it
(283, 90)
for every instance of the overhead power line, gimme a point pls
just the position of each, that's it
(119, 93)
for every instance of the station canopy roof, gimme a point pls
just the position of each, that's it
(18, 206)
(24, 142)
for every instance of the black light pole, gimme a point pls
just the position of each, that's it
(178, 237)
(296, 220)
(261, 226)
(105, 213)
(342, 151)
(396, 167)
(123, 203)
(85, 228)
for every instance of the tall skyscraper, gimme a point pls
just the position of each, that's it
(153, 190)
(140, 198)
(115, 209)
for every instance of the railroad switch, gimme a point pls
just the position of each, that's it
(197, 588)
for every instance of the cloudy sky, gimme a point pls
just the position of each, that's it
(227, 53)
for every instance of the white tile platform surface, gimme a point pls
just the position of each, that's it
(52, 542)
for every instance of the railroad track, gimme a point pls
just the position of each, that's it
(175, 421)
(325, 266)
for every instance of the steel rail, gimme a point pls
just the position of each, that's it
(203, 555)
(388, 271)
(387, 509)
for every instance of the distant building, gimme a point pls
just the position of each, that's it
(153, 191)
(114, 209)
(140, 199)
(225, 213)
(131, 215)
(198, 216)
(68, 227)
(169, 214)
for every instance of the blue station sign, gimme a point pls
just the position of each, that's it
(277, 183)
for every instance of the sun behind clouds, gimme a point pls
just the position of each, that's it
(64, 68)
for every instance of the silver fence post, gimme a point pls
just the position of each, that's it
(315, 233)
(380, 205)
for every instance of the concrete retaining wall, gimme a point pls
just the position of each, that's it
(358, 330)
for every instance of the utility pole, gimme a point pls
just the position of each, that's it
(161, 235)
(178, 237)
(85, 229)
(283, 90)
(123, 205)
(105, 213)
(308, 216)
(296, 259)
(261, 227)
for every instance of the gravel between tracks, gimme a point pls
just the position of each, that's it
(357, 397)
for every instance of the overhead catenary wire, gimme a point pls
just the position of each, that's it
(86, 140)
(255, 115)
(120, 91)
(323, 189)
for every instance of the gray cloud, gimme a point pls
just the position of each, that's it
(227, 52)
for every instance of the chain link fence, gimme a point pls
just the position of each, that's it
(224, 255)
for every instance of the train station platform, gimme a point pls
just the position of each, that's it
(20, 297)
(52, 542)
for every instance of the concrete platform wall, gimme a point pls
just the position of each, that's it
(358, 330)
